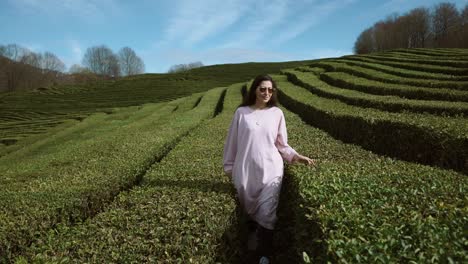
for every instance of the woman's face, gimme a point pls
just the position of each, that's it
(264, 92)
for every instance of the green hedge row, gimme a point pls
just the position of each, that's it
(404, 72)
(186, 105)
(423, 138)
(345, 80)
(95, 96)
(462, 64)
(183, 212)
(358, 207)
(413, 66)
(387, 103)
(376, 75)
(452, 57)
(74, 177)
(311, 68)
(444, 53)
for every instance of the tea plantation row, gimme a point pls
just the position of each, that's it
(180, 213)
(27, 113)
(71, 175)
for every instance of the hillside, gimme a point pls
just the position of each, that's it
(144, 183)
(27, 113)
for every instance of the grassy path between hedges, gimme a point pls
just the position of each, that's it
(354, 206)
(72, 175)
(181, 212)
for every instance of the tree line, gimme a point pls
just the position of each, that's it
(21, 68)
(184, 67)
(102, 60)
(443, 26)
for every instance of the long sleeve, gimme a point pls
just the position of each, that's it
(230, 147)
(281, 143)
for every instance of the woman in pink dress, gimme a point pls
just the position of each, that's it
(253, 156)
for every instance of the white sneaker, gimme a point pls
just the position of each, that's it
(264, 260)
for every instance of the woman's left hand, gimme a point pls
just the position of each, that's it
(304, 160)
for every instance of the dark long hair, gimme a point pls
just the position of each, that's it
(250, 97)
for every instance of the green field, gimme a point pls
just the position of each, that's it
(131, 170)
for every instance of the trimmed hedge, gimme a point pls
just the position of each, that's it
(71, 181)
(359, 207)
(64, 102)
(413, 66)
(386, 103)
(462, 64)
(415, 137)
(405, 72)
(347, 81)
(182, 212)
(376, 75)
(396, 54)
(444, 53)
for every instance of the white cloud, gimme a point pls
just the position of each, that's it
(282, 20)
(314, 15)
(260, 24)
(196, 21)
(253, 28)
(76, 50)
(87, 10)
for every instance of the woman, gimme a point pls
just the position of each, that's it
(253, 156)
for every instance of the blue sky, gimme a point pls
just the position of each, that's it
(164, 33)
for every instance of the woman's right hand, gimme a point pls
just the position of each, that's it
(304, 160)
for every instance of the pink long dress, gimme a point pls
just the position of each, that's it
(254, 152)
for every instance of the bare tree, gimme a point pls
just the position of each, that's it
(77, 68)
(101, 60)
(445, 23)
(2, 50)
(114, 66)
(385, 33)
(365, 42)
(445, 26)
(12, 70)
(401, 32)
(51, 63)
(177, 68)
(185, 67)
(464, 27)
(33, 59)
(418, 27)
(196, 64)
(24, 69)
(13, 52)
(130, 63)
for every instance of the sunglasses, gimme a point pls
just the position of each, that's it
(263, 89)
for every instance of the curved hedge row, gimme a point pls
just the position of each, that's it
(462, 64)
(397, 54)
(347, 81)
(358, 207)
(421, 138)
(67, 182)
(376, 75)
(413, 66)
(183, 211)
(387, 103)
(444, 53)
(405, 72)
